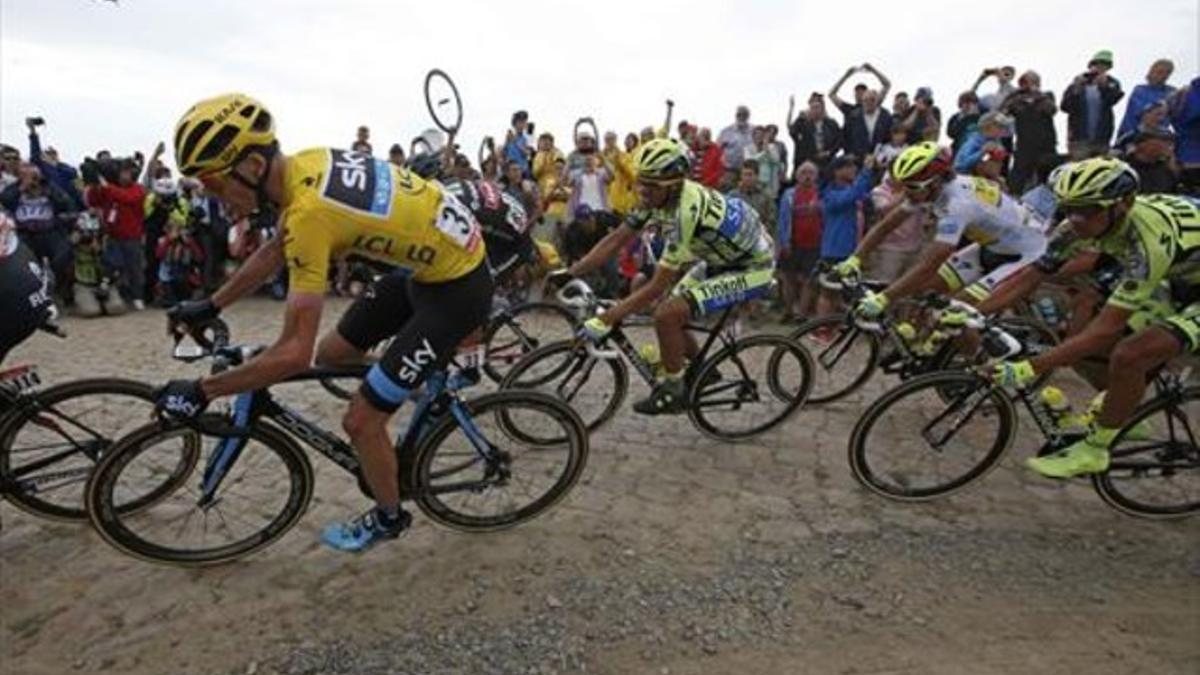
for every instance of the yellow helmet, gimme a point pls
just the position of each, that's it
(921, 162)
(662, 159)
(1100, 181)
(215, 133)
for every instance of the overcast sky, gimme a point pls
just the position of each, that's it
(119, 76)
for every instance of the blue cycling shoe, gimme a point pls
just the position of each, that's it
(365, 531)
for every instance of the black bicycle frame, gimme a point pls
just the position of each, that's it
(625, 345)
(440, 390)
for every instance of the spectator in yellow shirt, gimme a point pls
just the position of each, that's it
(622, 191)
(548, 164)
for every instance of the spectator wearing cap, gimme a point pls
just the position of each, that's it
(841, 213)
(1004, 87)
(734, 139)
(1183, 109)
(963, 122)
(585, 146)
(59, 174)
(924, 119)
(1089, 103)
(362, 140)
(1036, 147)
(993, 127)
(1151, 153)
(516, 142)
(396, 154)
(816, 136)
(1146, 96)
(709, 167)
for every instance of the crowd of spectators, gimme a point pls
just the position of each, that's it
(122, 232)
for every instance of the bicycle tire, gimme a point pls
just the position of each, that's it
(1109, 484)
(495, 355)
(500, 404)
(107, 519)
(963, 381)
(40, 408)
(837, 348)
(574, 364)
(450, 128)
(708, 380)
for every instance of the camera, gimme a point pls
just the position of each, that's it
(35, 121)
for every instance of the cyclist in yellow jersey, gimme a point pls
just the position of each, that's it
(717, 255)
(1157, 240)
(332, 202)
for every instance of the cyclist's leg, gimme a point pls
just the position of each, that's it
(426, 342)
(375, 316)
(1130, 365)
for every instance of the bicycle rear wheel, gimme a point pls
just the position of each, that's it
(517, 331)
(844, 356)
(593, 387)
(51, 441)
(1154, 471)
(728, 400)
(264, 493)
(512, 480)
(911, 445)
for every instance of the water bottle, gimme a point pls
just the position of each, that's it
(1048, 310)
(650, 354)
(1058, 407)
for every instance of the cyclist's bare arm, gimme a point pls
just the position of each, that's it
(605, 250)
(879, 231)
(263, 264)
(919, 278)
(292, 352)
(1097, 338)
(664, 278)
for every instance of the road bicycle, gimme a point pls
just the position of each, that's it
(916, 443)
(737, 387)
(482, 464)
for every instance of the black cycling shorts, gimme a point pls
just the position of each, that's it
(428, 320)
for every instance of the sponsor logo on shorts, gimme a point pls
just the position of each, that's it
(411, 365)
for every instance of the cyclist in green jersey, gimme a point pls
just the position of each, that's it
(717, 255)
(1157, 240)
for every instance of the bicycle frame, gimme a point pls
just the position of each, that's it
(441, 389)
(625, 345)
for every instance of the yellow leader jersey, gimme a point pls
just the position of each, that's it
(349, 202)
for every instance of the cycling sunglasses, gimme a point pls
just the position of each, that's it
(1086, 211)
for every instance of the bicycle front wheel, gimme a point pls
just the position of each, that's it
(912, 445)
(844, 356)
(474, 473)
(1154, 471)
(264, 492)
(593, 387)
(520, 330)
(53, 439)
(749, 387)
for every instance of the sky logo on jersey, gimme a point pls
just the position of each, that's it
(360, 182)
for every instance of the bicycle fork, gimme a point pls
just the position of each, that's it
(226, 454)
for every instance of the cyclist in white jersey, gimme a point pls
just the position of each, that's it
(1005, 235)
